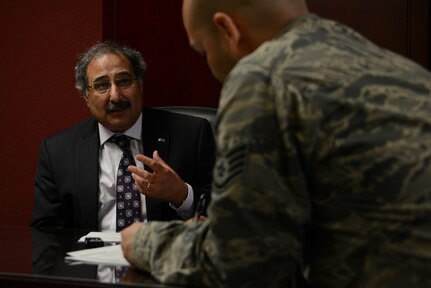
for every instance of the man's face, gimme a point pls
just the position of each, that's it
(118, 108)
(212, 45)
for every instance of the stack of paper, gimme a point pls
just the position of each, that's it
(107, 237)
(109, 255)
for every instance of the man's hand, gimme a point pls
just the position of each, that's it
(201, 220)
(163, 184)
(127, 236)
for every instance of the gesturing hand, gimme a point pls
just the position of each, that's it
(163, 184)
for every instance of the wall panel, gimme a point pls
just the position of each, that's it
(399, 25)
(40, 41)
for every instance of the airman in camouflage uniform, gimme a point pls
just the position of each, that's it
(324, 168)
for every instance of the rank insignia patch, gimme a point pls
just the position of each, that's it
(228, 166)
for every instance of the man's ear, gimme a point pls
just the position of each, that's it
(230, 31)
(85, 97)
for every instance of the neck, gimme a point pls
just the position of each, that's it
(269, 23)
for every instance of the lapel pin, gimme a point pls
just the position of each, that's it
(163, 140)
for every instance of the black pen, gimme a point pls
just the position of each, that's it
(200, 207)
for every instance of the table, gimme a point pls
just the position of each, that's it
(34, 258)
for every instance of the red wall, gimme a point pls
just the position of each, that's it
(39, 43)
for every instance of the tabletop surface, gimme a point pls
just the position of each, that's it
(36, 258)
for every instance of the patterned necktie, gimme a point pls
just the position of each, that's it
(128, 198)
(119, 272)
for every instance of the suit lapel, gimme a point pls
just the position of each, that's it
(87, 171)
(155, 136)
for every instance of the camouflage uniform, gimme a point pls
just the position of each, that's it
(324, 144)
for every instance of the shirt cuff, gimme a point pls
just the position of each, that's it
(185, 211)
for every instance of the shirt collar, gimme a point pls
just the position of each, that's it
(297, 21)
(135, 131)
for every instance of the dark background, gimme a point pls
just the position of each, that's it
(40, 41)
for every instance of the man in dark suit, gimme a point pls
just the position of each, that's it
(76, 177)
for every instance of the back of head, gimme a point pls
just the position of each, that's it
(256, 14)
(107, 47)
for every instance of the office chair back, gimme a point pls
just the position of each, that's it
(208, 113)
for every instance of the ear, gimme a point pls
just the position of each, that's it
(229, 29)
(85, 97)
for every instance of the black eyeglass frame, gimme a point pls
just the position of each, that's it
(117, 83)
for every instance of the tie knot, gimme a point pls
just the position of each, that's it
(122, 141)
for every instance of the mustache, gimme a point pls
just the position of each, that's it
(117, 106)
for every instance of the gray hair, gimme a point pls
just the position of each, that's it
(108, 47)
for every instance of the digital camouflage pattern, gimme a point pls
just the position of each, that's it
(324, 144)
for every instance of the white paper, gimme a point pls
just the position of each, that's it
(109, 255)
(107, 237)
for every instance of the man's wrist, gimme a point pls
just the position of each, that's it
(185, 210)
(181, 200)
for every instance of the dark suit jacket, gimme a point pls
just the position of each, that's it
(67, 178)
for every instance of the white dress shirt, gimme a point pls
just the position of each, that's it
(109, 159)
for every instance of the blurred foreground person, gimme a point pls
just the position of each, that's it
(324, 158)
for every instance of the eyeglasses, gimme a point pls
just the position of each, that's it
(101, 87)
